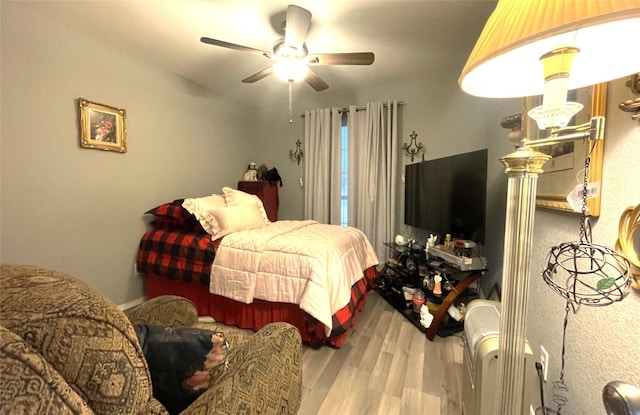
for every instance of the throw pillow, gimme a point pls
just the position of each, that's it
(183, 362)
(236, 197)
(173, 216)
(197, 206)
(223, 221)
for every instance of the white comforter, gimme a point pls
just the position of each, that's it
(301, 262)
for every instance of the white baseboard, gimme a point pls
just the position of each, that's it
(132, 303)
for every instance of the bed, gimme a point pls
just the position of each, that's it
(243, 270)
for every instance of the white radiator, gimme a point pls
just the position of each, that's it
(481, 332)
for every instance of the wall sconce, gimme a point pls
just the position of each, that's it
(413, 149)
(296, 155)
(628, 235)
(632, 105)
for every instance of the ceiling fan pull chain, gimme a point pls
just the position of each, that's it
(290, 101)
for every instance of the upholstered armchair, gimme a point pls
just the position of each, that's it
(66, 349)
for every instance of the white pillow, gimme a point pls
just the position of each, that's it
(199, 206)
(236, 197)
(223, 221)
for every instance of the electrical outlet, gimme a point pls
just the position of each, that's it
(544, 359)
(135, 269)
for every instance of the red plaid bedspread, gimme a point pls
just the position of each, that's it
(177, 255)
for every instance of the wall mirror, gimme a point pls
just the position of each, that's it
(565, 170)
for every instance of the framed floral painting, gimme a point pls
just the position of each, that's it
(102, 127)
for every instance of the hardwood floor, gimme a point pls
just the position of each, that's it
(386, 366)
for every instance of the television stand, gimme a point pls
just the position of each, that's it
(450, 299)
(395, 275)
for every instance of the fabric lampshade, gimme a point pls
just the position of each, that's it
(505, 61)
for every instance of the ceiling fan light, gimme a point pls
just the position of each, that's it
(286, 51)
(290, 70)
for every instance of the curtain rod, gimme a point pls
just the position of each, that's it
(345, 109)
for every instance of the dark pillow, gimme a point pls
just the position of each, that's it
(183, 362)
(173, 216)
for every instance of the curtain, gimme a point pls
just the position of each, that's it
(373, 134)
(372, 144)
(322, 144)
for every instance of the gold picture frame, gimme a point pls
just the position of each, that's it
(102, 127)
(564, 171)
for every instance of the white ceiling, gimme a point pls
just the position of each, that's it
(407, 37)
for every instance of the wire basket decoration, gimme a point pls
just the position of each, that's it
(583, 273)
(587, 273)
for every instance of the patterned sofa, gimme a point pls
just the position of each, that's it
(65, 349)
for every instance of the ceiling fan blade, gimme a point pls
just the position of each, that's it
(258, 76)
(228, 45)
(355, 58)
(315, 81)
(296, 26)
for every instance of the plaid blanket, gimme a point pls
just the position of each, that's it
(185, 256)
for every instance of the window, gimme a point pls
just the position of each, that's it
(344, 168)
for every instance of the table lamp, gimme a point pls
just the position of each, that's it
(534, 47)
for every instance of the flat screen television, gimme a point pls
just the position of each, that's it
(448, 195)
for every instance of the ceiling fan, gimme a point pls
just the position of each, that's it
(290, 55)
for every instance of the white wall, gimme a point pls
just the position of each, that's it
(602, 342)
(81, 210)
